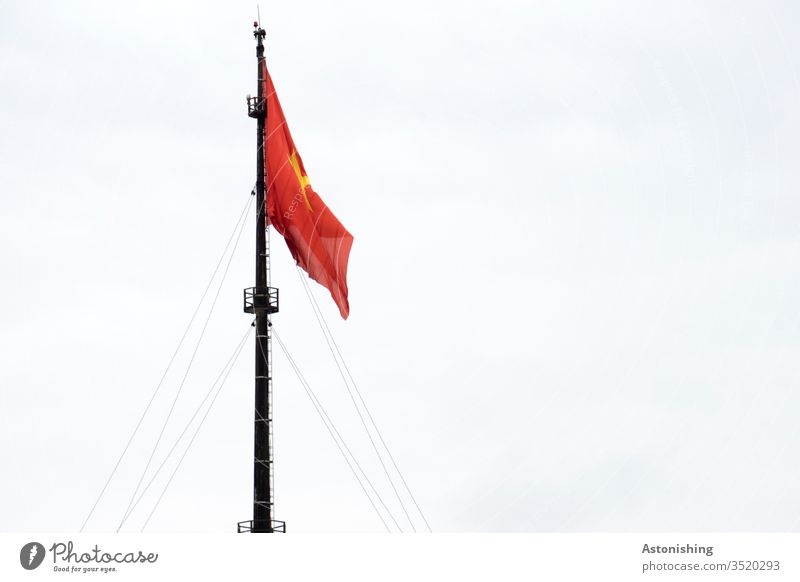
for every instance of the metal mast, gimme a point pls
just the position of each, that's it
(261, 300)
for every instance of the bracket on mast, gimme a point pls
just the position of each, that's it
(258, 32)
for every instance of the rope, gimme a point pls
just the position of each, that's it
(342, 446)
(186, 373)
(327, 333)
(169, 366)
(197, 430)
(230, 361)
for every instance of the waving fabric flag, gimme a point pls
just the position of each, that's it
(317, 240)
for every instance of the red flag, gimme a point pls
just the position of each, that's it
(317, 240)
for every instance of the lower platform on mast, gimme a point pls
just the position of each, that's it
(261, 300)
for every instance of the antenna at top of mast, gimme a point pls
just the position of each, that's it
(259, 32)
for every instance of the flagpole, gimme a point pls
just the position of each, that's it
(261, 300)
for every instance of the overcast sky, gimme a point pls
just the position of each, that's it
(573, 285)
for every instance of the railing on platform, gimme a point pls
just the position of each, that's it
(261, 301)
(247, 526)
